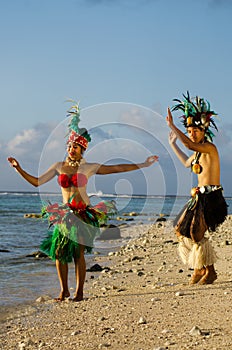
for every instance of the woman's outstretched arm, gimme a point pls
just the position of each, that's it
(119, 168)
(33, 180)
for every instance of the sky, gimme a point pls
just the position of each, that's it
(124, 61)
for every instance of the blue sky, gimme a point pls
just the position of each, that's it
(140, 54)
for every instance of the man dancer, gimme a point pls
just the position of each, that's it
(207, 207)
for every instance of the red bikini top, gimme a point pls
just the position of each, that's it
(76, 180)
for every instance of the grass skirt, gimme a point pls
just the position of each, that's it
(204, 211)
(71, 225)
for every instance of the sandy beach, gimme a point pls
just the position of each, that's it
(140, 300)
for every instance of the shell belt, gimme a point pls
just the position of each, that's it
(203, 190)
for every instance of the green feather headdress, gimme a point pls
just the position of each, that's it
(77, 134)
(196, 113)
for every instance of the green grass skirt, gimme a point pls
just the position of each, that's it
(71, 225)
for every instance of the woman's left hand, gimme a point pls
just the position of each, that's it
(150, 160)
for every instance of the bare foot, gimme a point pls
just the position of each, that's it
(208, 278)
(197, 275)
(78, 298)
(62, 296)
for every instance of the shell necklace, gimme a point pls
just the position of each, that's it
(73, 163)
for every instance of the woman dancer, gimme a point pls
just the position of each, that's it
(74, 223)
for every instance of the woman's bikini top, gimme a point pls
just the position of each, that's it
(76, 180)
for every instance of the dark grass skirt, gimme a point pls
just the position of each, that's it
(209, 212)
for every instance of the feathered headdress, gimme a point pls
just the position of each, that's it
(77, 134)
(196, 113)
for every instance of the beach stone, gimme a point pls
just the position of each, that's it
(100, 319)
(136, 257)
(168, 241)
(32, 215)
(195, 331)
(40, 300)
(75, 333)
(25, 343)
(142, 320)
(96, 253)
(145, 241)
(105, 345)
(140, 273)
(161, 219)
(95, 268)
(37, 254)
(179, 294)
(155, 299)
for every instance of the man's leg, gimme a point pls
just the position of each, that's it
(201, 257)
(210, 275)
(197, 275)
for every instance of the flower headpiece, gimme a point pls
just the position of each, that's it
(196, 113)
(77, 134)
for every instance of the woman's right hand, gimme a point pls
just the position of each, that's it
(14, 163)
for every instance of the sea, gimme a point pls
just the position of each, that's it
(23, 276)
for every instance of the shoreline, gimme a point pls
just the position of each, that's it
(47, 270)
(143, 301)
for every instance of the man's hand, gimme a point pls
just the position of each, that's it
(172, 138)
(169, 118)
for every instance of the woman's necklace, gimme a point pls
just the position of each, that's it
(73, 163)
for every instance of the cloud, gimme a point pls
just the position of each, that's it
(19, 144)
(136, 133)
(28, 144)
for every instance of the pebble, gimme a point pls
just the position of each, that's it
(142, 320)
(195, 331)
(179, 294)
(105, 345)
(24, 344)
(155, 299)
(75, 333)
(100, 319)
(40, 300)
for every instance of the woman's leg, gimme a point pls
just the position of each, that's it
(62, 271)
(80, 269)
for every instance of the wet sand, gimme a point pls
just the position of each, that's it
(141, 300)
